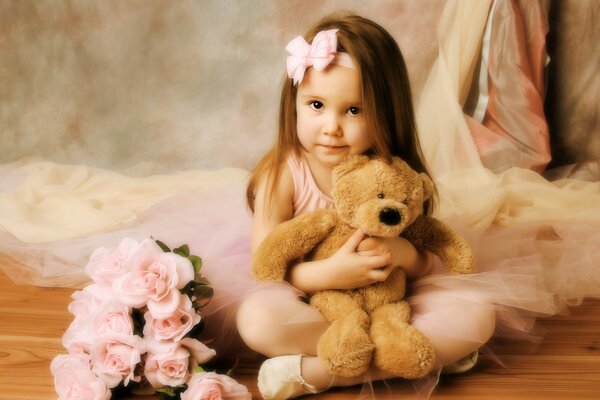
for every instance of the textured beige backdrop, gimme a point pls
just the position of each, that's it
(175, 84)
(195, 83)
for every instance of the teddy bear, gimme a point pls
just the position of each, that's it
(368, 325)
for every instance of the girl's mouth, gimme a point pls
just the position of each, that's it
(332, 148)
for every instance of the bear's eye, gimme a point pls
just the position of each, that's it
(405, 201)
(381, 195)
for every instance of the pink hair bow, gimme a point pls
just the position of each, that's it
(318, 55)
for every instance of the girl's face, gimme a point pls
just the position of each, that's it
(330, 120)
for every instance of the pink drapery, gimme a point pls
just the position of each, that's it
(513, 130)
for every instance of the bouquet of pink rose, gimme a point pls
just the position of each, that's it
(134, 328)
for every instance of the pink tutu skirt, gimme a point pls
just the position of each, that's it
(525, 270)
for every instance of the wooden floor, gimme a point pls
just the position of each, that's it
(566, 366)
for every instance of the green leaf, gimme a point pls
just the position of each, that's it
(183, 251)
(163, 246)
(203, 291)
(198, 369)
(231, 370)
(189, 289)
(202, 281)
(196, 262)
(169, 391)
(203, 296)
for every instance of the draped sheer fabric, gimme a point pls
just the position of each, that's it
(508, 124)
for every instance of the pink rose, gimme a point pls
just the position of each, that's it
(79, 339)
(212, 386)
(203, 391)
(174, 327)
(154, 280)
(199, 351)
(83, 304)
(114, 321)
(167, 364)
(107, 264)
(74, 380)
(94, 317)
(115, 357)
(86, 302)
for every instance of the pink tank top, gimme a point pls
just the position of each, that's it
(307, 195)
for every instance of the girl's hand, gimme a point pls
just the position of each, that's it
(402, 254)
(349, 268)
(359, 263)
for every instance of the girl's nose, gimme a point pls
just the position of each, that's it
(332, 126)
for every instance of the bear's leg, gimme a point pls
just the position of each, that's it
(345, 348)
(391, 290)
(400, 349)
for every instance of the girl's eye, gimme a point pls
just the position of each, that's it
(354, 110)
(315, 105)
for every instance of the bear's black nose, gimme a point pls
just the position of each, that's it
(390, 216)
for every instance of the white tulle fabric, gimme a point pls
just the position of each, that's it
(537, 242)
(443, 131)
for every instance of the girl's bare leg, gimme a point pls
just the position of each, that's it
(455, 327)
(276, 322)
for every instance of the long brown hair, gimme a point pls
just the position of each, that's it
(386, 101)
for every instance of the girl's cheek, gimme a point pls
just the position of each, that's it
(307, 125)
(355, 131)
(302, 118)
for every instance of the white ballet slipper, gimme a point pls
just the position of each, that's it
(281, 378)
(463, 365)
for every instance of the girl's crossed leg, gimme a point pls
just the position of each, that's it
(276, 322)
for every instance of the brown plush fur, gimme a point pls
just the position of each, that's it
(369, 323)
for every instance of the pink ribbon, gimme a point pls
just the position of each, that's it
(318, 55)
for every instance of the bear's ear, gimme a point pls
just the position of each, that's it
(349, 164)
(427, 186)
(399, 164)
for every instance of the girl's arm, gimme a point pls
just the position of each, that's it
(346, 269)
(279, 209)
(416, 263)
(361, 262)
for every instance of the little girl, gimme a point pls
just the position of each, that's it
(346, 92)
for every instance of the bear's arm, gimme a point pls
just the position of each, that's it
(290, 241)
(430, 234)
